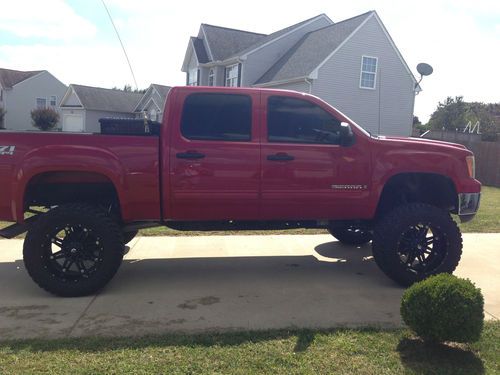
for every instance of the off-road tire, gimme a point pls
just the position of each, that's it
(393, 245)
(129, 236)
(95, 235)
(351, 235)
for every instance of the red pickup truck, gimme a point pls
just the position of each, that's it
(233, 158)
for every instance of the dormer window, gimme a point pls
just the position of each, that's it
(368, 77)
(211, 77)
(232, 75)
(192, 77)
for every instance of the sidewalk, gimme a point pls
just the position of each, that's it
(193, 284)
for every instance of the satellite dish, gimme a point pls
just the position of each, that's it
(424, 69)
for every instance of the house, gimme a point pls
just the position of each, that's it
(83, 106)
(23, 91)
(352, 64)
(153, 102)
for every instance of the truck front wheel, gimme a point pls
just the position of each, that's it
(415, 241)
(73, 250)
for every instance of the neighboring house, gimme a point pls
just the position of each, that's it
(83, 106)
(21, 92)
(353, 65)
(152, 102)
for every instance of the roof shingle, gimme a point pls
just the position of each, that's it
(224, 42)
(10, 78)
(110, 100)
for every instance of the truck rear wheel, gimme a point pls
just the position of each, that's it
(73, 250)
(415, 241)
(351, 234)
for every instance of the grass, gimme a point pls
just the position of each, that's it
(487, 220)
(340, 351)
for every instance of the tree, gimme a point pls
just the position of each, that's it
(449, 115)
(44, 118)
(2, 117)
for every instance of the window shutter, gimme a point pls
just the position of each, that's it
(187, 78)
(224, 77)
(239, 74)
(198, 77)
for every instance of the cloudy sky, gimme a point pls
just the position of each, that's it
(75, 41)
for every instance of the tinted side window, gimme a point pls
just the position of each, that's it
(217, 117)
(294, 120)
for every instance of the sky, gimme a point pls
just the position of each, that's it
(75, 40)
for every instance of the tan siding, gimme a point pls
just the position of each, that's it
(338, 83)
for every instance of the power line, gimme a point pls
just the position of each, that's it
(123, 47)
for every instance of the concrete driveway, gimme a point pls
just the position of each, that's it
(193, 284)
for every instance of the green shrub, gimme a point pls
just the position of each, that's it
(444, 308)
(44, 118)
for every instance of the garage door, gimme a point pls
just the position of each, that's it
(73, 123)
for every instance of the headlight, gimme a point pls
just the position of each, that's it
(471, 166)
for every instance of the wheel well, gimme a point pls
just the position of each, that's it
(430, 188)
(55, 188)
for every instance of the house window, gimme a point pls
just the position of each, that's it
(193, 77)
(153, 115)
(53, 101)
(211, 77)
(368, 76)
(232, 76)
(41, 103)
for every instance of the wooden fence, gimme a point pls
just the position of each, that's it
(487, 154)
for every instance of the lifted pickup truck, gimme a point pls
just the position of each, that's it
(233, 158)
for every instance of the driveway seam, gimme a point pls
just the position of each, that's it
(81, 315)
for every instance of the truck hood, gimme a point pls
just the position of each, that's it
(419, 142)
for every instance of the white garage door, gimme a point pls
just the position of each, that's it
(73, 123)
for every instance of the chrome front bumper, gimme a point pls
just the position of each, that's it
(468, 204)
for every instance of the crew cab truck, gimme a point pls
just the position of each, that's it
(233, 158)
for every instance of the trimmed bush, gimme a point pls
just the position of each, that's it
(444, 308)
(44, 118)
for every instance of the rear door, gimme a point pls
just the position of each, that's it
(215, 156)
(306, 174)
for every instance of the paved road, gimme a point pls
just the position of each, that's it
(194, 284)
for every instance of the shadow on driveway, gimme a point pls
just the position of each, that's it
(337, 286)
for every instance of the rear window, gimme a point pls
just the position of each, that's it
(217, 117)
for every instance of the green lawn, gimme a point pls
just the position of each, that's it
(341, 351)
(486, 221)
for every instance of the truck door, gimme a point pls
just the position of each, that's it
(306, 173)
(215, 156)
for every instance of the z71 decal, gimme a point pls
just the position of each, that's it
(7, 150)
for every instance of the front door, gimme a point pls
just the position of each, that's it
(306, 173)
(215, 157)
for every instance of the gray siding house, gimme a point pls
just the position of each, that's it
(352, 64)
(23, 91)
(83, 106)
(152, 102)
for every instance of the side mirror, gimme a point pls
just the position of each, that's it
(346, 135)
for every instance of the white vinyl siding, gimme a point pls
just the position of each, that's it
(386, 110)
(368, 76)
(232, 75)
